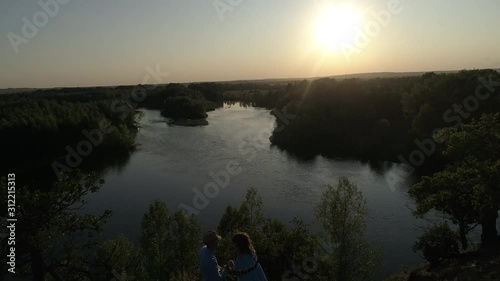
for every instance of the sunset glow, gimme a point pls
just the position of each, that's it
(337, 25)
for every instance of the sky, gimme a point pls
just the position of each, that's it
(119, 42)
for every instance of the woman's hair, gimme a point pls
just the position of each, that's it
(243, 243)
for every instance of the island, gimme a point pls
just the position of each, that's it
(185, 106)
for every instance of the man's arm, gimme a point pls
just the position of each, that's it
(211, 270)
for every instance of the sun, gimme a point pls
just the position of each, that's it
(337, 25)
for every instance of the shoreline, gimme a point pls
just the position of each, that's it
(187, 122)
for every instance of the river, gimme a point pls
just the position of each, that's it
(171, 161)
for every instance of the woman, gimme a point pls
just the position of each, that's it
(246, 267)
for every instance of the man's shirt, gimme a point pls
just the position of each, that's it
(210, 270)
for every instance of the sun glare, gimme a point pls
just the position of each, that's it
(337, 25)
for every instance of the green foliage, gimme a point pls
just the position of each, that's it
(185, 276)
(467, 190)
(51, 112)
(437, 243)
(248, 218)
(267, 98)
(170, 242)
(287, 249)
(120, 256)
(251, 214)
(376, 118)
(428, 100)
(56, 120)
(210, 91)
(179, 101)
(348, 118)
(342, 212)
(53, 237)
(184, 107)
(279, 247)
(68, 249)
(155, 239)
(186, 233)
(475, 141)
(454, 193)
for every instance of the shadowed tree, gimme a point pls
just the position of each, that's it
(169, 242)
(279, 247)
(438, 242)
(53, 236)
(121, 257)
(155, 239)
(468, 190)
(342, 212)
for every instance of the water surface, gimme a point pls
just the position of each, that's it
(172, 161)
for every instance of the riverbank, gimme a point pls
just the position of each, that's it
(187, 122)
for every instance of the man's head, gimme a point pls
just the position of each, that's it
(211, 239)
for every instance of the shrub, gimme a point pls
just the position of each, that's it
(438, 242)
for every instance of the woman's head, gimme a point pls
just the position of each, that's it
(243, 244)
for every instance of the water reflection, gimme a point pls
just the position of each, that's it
(172, 161)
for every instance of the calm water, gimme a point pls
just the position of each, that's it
(172, 161)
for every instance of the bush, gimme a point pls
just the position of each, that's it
(437, 243)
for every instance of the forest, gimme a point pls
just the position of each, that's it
(452, 120)
(381, 118)
(57, 243)
(179, 101)
(37, 128)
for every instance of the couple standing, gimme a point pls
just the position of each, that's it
(246, 267)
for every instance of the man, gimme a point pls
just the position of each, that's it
(210, 269)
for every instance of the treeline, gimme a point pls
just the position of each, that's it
(37, 127)
(257, 98)
(380, 118)
(466, 192)
(57, 240)
(180, 101)
(196, 99)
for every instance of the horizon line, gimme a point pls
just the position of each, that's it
(411, 73)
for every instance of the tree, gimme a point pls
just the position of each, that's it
(155, 239)
(342, 212)
(437, 243)
(120, 257)
(278, 247)
(248, 218)
(186, 243)
(56, 120)
(251, 209)
(169, 242)
(291, 251)
(53, 236)
(467, 191)
(453, 193)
